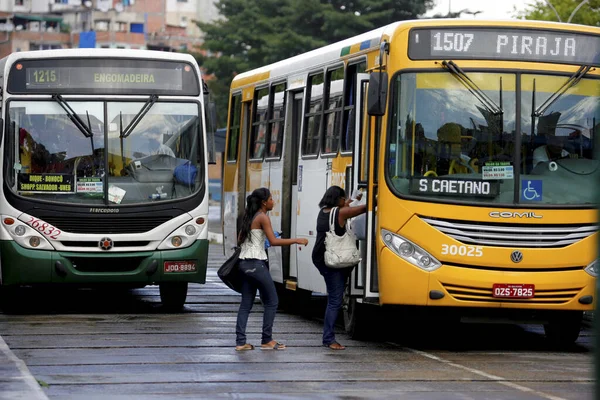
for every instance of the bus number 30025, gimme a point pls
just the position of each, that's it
(467, 251)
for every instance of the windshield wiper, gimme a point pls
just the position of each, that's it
(138, 117)
(479, 94)
(572, 81)
(86, 130)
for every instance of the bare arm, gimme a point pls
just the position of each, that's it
(350, 212)
(265, 225)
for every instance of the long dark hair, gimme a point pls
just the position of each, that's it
(253, 204)
(332, 197)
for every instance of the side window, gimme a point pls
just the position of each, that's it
(312, 116)
(333, 113)
(350, 111)
(277, 121)
(259, 125)
(234, 126)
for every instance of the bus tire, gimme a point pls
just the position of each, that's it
(12, 300)
(563, 329)
(357, 319)
(173, 295)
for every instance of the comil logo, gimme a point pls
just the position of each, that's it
(508, 214)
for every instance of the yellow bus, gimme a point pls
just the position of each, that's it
(473, 141)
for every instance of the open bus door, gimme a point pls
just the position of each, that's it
(363, 280)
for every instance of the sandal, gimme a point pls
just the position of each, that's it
(245, 347)
(273, 345)
(335, 346)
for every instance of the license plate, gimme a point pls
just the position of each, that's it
(180, 266)
(513, 291)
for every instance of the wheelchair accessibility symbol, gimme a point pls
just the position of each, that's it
(531, 190)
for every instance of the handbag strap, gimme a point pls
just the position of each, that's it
(332, 220)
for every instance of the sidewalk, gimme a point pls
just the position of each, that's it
(16, 382)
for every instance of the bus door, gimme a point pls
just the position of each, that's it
(290, 222)
(231, 238)
(361, 278)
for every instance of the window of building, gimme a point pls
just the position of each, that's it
(19, 2)
(259, 125)
(234, 127)
(313, 115)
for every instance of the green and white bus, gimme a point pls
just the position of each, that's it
(104, 170)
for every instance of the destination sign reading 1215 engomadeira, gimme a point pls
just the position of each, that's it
(503, 43)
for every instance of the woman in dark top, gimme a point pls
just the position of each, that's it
(335, 278)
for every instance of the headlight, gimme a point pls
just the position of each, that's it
(409, 251)
(184, 236)
(190, 230)
(20, 230)
(593, 268)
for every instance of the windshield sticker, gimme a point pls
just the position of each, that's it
(45, 183)
(454, 187)
(115, 194)
(497, 170)
(531, 190)
(89, 185)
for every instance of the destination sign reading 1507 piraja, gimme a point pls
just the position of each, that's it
(503, 43)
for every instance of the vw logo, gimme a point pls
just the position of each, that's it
(516, 256)
(105, 244)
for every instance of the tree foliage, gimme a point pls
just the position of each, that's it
(588, 14)
(252, 33)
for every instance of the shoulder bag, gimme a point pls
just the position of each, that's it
(340, 251)
(229, 272)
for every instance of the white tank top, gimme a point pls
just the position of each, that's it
(254, 246)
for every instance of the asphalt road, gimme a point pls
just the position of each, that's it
(111, 344)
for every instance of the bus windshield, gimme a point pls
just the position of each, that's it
(50, 156)
(452, 142)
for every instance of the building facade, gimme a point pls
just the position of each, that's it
(167, 25)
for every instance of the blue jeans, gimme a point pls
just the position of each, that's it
(256, 276)
(335, 280)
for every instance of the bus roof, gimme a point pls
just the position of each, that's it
(104, 53)
(372, 39)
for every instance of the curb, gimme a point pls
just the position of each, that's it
(19, 385)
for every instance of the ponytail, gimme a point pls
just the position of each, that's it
(253, 205)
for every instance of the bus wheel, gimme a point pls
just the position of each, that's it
(173, 294)
(12, 299)
(563, 329)
(356, 319)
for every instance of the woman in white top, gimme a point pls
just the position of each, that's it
(256, 226)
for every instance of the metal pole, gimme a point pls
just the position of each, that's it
(553, 9)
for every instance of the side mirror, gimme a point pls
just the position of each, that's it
(377, 93)
(211, 120)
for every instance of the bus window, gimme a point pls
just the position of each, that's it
(276, 123)
(259, 126)
(350, 112)
(234, 127)
(312, 118)
(333, 113)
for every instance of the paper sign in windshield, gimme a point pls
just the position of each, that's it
(89, 185)
(116, 194)
(45, 183)
(497, 171)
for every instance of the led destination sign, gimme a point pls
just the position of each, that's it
(454, 187)
(103, 76)
(504, 44)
